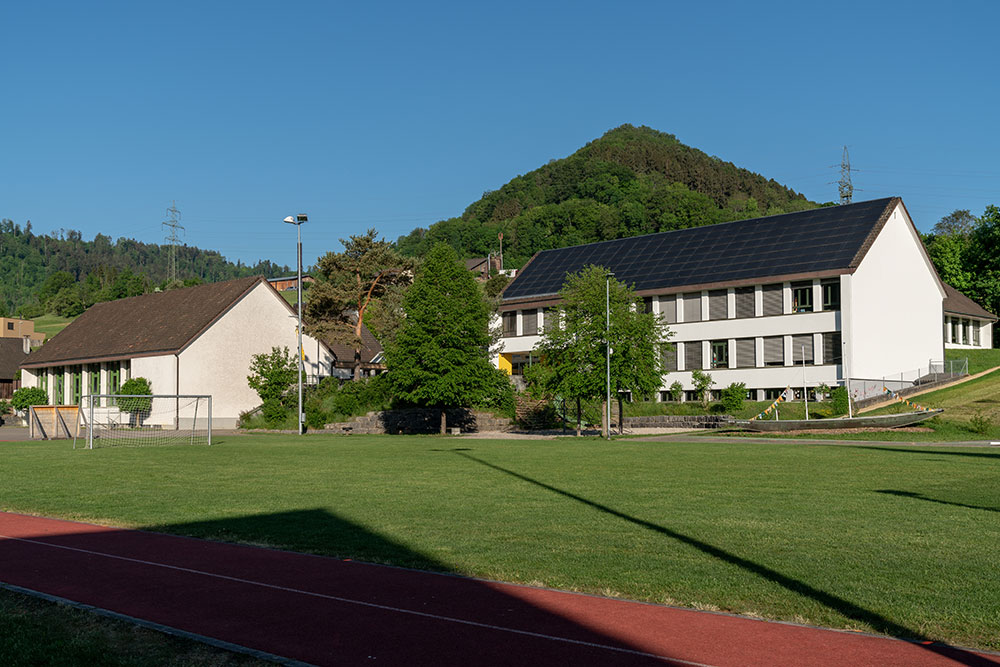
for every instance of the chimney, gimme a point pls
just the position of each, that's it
(27, 344)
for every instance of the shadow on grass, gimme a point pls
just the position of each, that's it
(919, 496)
(927, 452)
(838, 604)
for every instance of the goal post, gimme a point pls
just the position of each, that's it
(144, 420)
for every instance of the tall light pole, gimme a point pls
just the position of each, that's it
(607, 346)
(297, 221)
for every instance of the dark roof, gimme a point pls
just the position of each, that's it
(475, 263)
(158, 323)
(806, 242)
(370, 347)
(11, 355)
(295, 277)
(957, 303)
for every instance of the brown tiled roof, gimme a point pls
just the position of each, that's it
(11, 356)
(147, 325)
(476, 263)
(956, 303)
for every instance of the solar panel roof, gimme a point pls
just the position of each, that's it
(821, 239)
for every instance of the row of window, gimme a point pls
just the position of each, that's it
(962, 332)
(70, 392)
(687, 307)
(743, 352)
(770, 394)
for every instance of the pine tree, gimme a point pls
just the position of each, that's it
(440, 357)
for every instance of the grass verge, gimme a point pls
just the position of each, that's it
(893, 540)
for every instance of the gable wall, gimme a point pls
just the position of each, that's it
(892, 306)
(218, 361)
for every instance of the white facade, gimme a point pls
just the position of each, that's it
(880, 320)
(214, 363)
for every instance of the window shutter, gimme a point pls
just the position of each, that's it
(774, 351)
(718, 307)
(802, 343)
(745, 302)
(668, 308)
(831, 348)
(510, 323)
(746, 353)
(529, 322)
(772, 299)
(669, 358)
(692, 354)
(692, 307)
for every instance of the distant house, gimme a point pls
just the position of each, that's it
(371, 356)
(482, 266)
(806, 298)
(290, 282)
(196, 340)
(12, 327)
(967, 325)
(13, 351)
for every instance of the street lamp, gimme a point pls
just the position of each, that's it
(607, 345)
(297, 221)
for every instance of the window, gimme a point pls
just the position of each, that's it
(746, 353)
(745, 302)
(669, 358)
(955, 336)
(691, 396)
(692, 307)
(975, 333)
(529, 322)
(76, 385)
(832, 351)
(509, 324)
(772, 295)
(831, 294)
(802, 297)
(966, 332)
(94, 371)
(774, 351)
(773, 394)
(692, 355)
(718, 304)
(802, 349)
(668, 308)
(10, 326)
(720, 354)
(114, 380)
(647, 304)
(43, 380)
(59, 386)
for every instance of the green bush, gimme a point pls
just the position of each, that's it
(28, 396)
(271, 374)
(676, 391)
(733, 397)
(4, 407)
(702, 386)
(980, 423)
(841, 401)
(273, 412)
(136, 385)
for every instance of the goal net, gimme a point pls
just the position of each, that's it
(129, 420)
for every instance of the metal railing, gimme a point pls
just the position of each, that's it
(936, 371)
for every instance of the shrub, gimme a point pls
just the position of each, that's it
(703, 386)
(273, 411)
(271, 374)
(136, 385)
(28, 396)
(980, 423)
(733, 397)
(4, 407)
(676, 391)
(841, 401)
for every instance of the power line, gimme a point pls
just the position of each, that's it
(844, 184)
(173, 225)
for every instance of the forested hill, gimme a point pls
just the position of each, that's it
(98, 269)
(631, 181)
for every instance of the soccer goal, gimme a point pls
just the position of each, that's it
(136, 420)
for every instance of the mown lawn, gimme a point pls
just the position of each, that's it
(979, 360)
(895, 540)
(51, 324)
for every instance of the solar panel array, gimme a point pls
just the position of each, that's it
(817, 240)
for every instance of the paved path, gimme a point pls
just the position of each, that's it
(816, 441)
(332, 612)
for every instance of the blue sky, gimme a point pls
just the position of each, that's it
(396, 115)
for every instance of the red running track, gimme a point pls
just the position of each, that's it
(331, 612)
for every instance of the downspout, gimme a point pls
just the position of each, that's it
(177, 390)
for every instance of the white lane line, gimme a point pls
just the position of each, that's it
(449, 619)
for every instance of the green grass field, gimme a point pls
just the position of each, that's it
(50, 325)
(895, 540)
(979, 360)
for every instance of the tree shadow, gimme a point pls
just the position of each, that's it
(838, 604)
(919, 496)
(902, 450)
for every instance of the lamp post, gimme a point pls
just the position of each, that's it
(607, 346)
(297, 221)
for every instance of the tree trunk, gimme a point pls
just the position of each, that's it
(605, 424)
(579, 417)
(621, 417)
(357, 363)
(444, 422)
